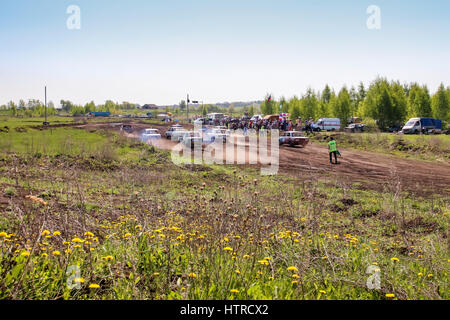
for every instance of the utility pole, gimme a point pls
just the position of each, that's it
(45, 123)
(187, 108)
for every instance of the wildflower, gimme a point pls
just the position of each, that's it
(94, 286)
(420, 274)
(68, 251)
(228, 249)
(89, 234)
(322, 291)
(3, 234)
(156, 274)
(390, 295)
(430, 275)
(292, 269)
(238, 271)
(395, 259)
(45, 233)
(56, 233)
(192, 275)
(264, 262)
(25, 254)
(44, 255)
(374, 263)
(234, 291)
(294, 282)
(108, 258)
(78, 280)
(77, 240)
(56, 253)
(246, 256)
(295, 276)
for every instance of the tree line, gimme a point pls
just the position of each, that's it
(389, 103)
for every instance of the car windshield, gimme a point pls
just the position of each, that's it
(410, 123)
(151, 131)
(297, 134)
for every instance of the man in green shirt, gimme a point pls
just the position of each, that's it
(332, 146)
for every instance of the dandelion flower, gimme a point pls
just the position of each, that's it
(25, 254)
(238, 271)
(228, 249)
(56, 253)
(192, 275)
(292, 269)
(390, 295)
(430, 275)
(94, 286)
(108, 258)
(45, 233)
(234, 291)
(56, 233)
(395, 259)
(322, 291)
(295, 276)
(78, 280)
(77, 240)
(420, 274)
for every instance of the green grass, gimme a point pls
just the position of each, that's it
(422, 147)
(153, 230)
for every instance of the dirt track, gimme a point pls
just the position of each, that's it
(371, 170)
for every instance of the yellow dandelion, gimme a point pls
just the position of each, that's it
(238, 271)
(78, 280)
(390, 295)
(25, 254)
(56, 233)
(246, 256)
(292, 269)
(395, 259)
(3, 234)
(192, 275)
(108, 258)
(322, 291)
(430, 275)
(234, 291)
(228, 249)
(94, 286)
(45, 233)
(77, 240)
(56, 253)
(295, 276)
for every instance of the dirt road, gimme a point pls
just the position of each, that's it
(371, 170)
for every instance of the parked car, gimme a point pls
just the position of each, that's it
(191, 138)
(293, 138)
(422, 125)
(355, 127)
(256, 117)
(150, 134)
(175, 133)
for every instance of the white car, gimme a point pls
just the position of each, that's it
(150, 134)
(175, 133)
(191, 138)
(216, 134)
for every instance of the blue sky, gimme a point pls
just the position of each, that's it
(152, 51)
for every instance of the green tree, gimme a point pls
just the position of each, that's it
(267, 107)
(440, 104)
(295, 108)
(204, 110)
(342, 106)
(251, 111)
(419, 101)
(309, 104)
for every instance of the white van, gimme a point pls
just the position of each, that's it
(328, 124)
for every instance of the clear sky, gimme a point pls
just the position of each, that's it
(157, 51)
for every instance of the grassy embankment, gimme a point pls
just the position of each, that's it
(136, 226)
(420, 147)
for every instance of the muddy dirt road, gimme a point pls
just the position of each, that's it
(371, 170)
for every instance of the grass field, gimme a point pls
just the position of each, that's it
(111, 218)
(424, 147)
